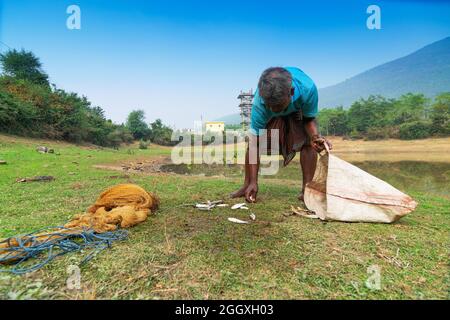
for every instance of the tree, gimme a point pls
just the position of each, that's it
(29, 106)
(408, 108)
(370, 112)
(440, 114)
(160, 133)
(415, 130)
(23, 65)
(137, 126)
(333, 121)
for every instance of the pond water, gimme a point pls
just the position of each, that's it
(428, 177)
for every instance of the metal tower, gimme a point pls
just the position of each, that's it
(245, 107)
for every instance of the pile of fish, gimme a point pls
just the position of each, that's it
(209, 205)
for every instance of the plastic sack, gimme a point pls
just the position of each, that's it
(343, 192)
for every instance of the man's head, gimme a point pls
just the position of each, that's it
(275, 87)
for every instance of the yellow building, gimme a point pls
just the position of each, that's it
(214, 126)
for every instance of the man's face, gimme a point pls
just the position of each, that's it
(284, 104)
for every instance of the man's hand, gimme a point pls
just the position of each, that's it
(251, 192)
(318, 143)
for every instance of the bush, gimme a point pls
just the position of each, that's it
(393, 132)
(137, 126)
(354, 135)
(415, 130)
(16, 117)
(143, 145)
(440, 115)
(161, 134)
(35, 110)
(377, 134)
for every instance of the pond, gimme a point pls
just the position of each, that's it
(429, 177)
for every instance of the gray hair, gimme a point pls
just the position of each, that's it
(274, 85)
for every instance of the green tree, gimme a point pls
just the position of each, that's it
(137, 126)
(16, 117)
(23, 65)
(333, 121)
(371, 112)
(409, 107)
(415, 130)
(440, 114)
(160, 133)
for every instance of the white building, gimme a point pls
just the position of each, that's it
(214, 126)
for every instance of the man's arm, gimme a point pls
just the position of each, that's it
(253, 168)
(310, 126)
(317, 141)
(310, 111)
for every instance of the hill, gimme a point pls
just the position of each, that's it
(230, 119)
(426, 71)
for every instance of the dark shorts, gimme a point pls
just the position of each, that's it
(292, 135)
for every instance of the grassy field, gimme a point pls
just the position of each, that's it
(183, 253)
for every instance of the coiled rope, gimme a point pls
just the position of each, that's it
(47, 244)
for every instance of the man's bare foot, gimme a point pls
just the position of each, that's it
(239, 193)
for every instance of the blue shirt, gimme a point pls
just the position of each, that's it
(305, 98)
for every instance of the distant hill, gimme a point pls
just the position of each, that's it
(426, 71)
(230, 119)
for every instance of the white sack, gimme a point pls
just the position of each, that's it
(340, 191)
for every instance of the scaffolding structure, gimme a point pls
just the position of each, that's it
(245, 107)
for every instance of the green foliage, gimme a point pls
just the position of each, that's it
(370, 112)
(440, 115)
(377, 118)
(117, 136)
(16, 116)
(233, 127)
(23, 65)
(161, 134)
(415, 130)
(137, 126)
(334, 121)
(30, 107)
(375, 133)
(36, 110)
(408, 108)
(354, 134)
(143, 145)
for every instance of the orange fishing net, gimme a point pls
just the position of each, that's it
(124, 205)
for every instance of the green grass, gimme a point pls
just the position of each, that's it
(183, 253)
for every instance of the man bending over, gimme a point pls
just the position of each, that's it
(286, 99)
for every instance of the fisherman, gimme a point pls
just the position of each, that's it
(287, 100)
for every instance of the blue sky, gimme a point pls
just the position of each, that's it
(179, 60)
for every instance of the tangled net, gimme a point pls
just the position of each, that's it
(121, 206)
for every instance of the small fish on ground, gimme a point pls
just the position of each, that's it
(207, 206)
(239, 206)
(237, 221)
(42, 149)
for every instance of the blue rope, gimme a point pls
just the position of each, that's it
(56, 244)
